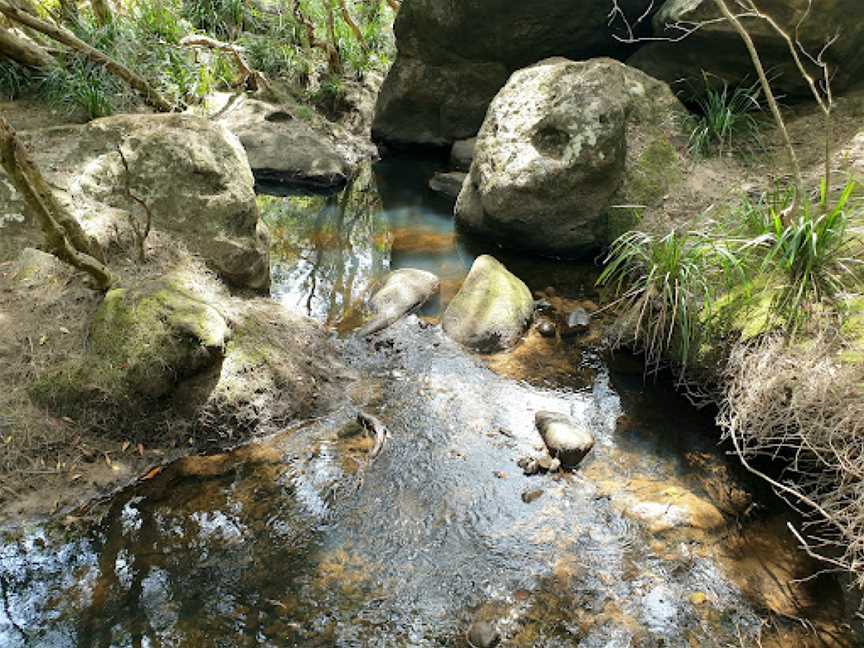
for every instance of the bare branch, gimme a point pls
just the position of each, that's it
(249, 76)
(63, 233)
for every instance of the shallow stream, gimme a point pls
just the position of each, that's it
(304, 540)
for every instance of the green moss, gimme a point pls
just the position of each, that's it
(142, 341)
(654, 175)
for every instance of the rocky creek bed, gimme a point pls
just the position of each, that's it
(306, 539)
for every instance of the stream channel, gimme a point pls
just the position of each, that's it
(658, 539)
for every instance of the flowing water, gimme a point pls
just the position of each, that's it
(303, 539)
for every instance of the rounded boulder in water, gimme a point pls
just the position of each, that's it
(402, 291)
(565, 439)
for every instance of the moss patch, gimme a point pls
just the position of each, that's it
(656, 172)
(142, 341)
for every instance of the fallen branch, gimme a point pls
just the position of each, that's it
(250, 77)
(24, 51)
(64, 36)
(64, 235)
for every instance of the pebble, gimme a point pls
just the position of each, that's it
(483, 634)
(532, 495)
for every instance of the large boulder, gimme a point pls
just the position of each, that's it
(717, 48)
(568, 153)
(455, 55)
(180, 348)
(284, 148)
(491, 311)
(192, 174)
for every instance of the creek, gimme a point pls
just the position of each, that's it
(301, 539)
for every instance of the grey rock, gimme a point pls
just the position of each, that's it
(283, 148)
(562, 144)
(462, 154)
(491, 311)
(401, 292)
(565, 439)
(483, 634)
(718, 50)
(192, 173)
(454, 56)
(449, 184)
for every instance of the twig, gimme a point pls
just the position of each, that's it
(140, 233)
(249, 76)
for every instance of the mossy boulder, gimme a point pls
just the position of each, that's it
(142, 342)
(569, 154)
(492, 310)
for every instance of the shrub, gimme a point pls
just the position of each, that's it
(726, 115)
(661, 284)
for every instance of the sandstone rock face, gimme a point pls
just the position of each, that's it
(282, 148)
(717, 49)
(192, 174)
(492, 309)
(562, 145)
(454, 55)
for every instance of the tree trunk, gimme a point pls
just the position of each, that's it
(334, 61)
(24, 51)
(346, 16)
(64, 36)
(64, 235)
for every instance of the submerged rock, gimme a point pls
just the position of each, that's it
(283, 148)
(566, 440)
(192, 174)
(453, 57)
(402, 292)
(449, 184)
(563, 143)
(491, 311)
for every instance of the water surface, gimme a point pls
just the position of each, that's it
(303, 539)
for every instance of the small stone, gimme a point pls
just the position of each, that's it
(532, 495)
(483, 634)
(698, 598)
(546, 328)
(529, 466)
(500, 474)
(566, 440)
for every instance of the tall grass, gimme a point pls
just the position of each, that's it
(660, 284)
(666, 287)
(726, 116)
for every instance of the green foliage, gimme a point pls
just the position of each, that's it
(661, 284)
(82, 85)
(726, 115)
(14, 80)
(223, 19)
(754, 272)
(818, 254)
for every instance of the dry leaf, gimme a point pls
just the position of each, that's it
(150, 474)
(124, 447)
